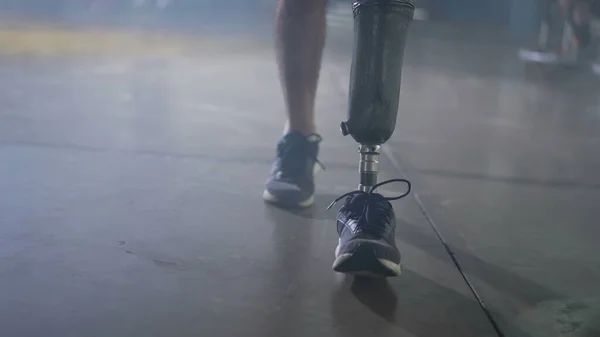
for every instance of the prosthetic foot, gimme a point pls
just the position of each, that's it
(366, 222)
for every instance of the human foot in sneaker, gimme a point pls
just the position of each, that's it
(291, 183)
(366, 225)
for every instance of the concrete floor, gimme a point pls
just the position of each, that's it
(131, 173)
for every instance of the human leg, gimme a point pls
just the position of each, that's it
(366, 221)
(300, 38)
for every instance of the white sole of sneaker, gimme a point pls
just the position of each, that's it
(363, 262)
(267, 196)
(274, 200)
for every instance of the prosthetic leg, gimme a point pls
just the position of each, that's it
(366, 222)
(380, 28)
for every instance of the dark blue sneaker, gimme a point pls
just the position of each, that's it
(366, 225)
(291, 183)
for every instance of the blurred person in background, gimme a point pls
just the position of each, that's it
(580, 13)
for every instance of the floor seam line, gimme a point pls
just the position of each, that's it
(415, 195)
(336, 76)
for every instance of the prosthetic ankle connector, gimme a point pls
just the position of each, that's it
(368, 166)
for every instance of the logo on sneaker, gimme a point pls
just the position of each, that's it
(352, 225)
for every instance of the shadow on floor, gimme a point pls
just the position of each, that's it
(403, 301)
(558, 184)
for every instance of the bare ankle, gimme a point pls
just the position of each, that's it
(304, 129)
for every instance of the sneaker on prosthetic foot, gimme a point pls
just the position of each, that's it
(366, 225)
(291, 183)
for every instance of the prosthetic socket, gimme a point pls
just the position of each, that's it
(380, 28)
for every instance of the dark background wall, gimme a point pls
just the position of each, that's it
(518, 15)
(488, 12)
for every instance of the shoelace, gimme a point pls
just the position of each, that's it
(292, 158)
(373, 206)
